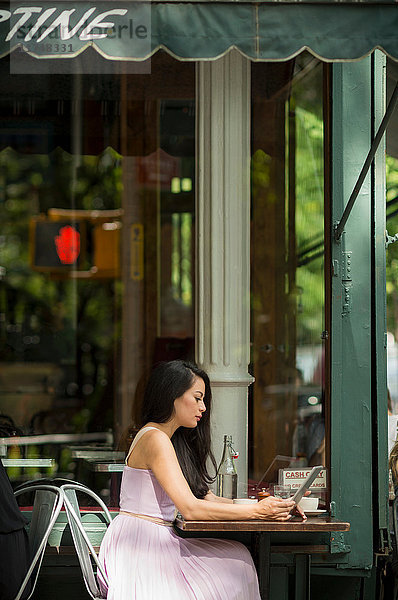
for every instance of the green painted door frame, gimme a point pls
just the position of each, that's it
(358, 354)
(379, 393)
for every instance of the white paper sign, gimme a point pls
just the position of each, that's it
(295, 477)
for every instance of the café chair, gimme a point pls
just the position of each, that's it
(47, 504)
(55, 481)
(80, 538)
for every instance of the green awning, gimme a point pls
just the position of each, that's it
(121, 30)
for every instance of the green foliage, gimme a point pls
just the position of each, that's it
(309, 225)
(392, 252)
(181, 258)
(391, 178)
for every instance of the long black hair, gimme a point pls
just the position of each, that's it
(168, 381)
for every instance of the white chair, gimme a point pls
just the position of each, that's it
(80, 538)
(48, 501)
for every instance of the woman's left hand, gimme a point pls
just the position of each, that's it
(298, 510)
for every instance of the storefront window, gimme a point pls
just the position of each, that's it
(97, 252)
(287, 266)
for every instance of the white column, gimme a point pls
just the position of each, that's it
(223, 253)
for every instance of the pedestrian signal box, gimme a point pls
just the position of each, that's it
(56, 245)
(87, 246)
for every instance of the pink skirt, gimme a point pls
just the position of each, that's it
(147, 561)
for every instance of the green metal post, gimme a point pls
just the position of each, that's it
(379, 397)
(351, 423)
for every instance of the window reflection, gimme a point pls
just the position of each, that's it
(287, 261)
(97, 179)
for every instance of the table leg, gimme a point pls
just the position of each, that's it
(302, 583)
(264, 564)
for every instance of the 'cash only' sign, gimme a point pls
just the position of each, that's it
(62, 30)
(296, 477)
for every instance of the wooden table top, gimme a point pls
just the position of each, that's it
(314, 524)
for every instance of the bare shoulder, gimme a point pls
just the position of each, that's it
(155, 436)
(154, 442)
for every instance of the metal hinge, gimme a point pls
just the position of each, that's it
(337, 544)
(346, 276)
(346, 267)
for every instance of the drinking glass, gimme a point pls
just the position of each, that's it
(282, 491)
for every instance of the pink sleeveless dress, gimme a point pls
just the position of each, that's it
(148, 561)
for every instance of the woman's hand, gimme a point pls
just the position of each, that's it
(300, 512)
(274, 509)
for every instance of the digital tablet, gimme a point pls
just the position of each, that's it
(307, 483)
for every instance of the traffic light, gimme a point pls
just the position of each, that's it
(56, 245)
(85, 246)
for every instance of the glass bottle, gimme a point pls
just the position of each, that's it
(227, 478)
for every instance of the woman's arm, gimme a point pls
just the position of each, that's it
(161, 458)
(210, 497)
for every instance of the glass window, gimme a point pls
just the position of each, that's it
(287, 267)
(97, 255)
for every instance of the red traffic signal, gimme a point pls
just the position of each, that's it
(56, 245)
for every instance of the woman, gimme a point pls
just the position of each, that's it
(166, 469)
